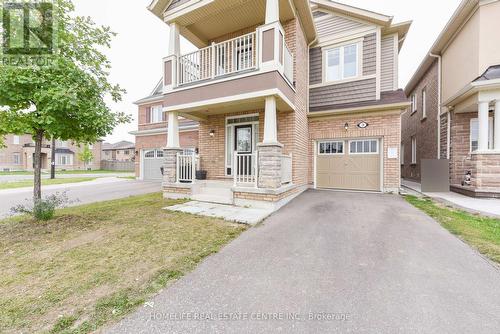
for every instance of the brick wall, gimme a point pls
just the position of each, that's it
(443, 150)
(424, 129)
(460, 157)
(385, 125)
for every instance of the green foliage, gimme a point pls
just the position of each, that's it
(86, 155)
(43, 209)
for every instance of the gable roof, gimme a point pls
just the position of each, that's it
(121, 145)
(460, 15)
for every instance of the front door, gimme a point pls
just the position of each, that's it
(243, 144)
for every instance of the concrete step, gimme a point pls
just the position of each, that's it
(215, 184)
(210, 198)
(215, 191)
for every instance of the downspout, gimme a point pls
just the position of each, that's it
(439, 106)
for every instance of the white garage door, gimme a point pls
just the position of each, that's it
(153, 161)
(349, 164)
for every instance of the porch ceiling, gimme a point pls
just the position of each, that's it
(218, 18)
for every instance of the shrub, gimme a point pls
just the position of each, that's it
(43, 209)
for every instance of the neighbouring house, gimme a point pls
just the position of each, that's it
(121, 151)
(455, 102)
(279, 97)
(20, 150)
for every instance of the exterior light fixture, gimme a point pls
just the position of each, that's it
(346, 126)
(212, 133)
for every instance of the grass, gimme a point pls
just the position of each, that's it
(127, 177)
(45, 182)
(60, 172)
(480, 232)
(86, 267)
(16, 173)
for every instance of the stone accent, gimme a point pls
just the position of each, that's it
(170, 165)
(177, 190)
(270, 165)
(266, 197)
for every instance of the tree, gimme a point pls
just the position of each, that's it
(65, 99)
(86, 156)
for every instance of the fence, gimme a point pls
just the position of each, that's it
(122, 166)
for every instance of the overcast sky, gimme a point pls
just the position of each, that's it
(142, 42)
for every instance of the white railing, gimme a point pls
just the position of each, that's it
(186, 167)
(228, 57)
(286, 169)
(288, 64)
(245, 169)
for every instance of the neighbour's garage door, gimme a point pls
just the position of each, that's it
(348, 164)
(153, 161)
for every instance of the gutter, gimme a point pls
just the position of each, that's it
(439, 58)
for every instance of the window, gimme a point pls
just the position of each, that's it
(149, 154)
(91, 147)
(16, 158)
(424, 103)
(126, 152)
(413, 150)
(15, 140)
(159, 153)
(413, 101)
(363, 146)
(189, 151)
(64, 159)
(402, 154)
(61, 143)
(474, 134)
(331, 147)
(156, 114)
(342, 62)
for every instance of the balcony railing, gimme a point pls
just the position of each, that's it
(235, 55)
(245, 169)
(288, 64)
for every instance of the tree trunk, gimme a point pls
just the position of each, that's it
(37, 185)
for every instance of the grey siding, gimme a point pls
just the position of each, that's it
(370, 54)
(328, 97)
(318, 13)
(176, 3)
(387, 66)
(315, 66)
(332, 25)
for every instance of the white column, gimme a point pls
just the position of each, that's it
(483, 126)
(174, 44)
(272, 11)
(173, 130)
(270, 126)
(496, 128)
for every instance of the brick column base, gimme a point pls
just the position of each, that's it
(170, 165)
(270, 165)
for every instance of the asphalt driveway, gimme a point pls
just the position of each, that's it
(333, 262)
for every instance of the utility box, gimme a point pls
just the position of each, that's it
(435, 175)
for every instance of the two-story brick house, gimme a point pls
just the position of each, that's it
(455, 109)
(287, 95)
(18, 154)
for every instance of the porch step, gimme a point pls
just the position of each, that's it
(211, 198)
(215, 184)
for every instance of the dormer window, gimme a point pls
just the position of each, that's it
(342, 62)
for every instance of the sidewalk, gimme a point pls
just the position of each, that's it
(485, 206)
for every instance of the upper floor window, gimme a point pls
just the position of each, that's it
(15, 140)
(424, 103)
(413, 101)
(413, 150)
(342, 62)
(16, 158)
(156, 115)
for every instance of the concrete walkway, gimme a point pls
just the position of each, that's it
(332, 262)
(485, 206)
(27, 177)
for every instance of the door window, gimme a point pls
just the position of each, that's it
(244, 139)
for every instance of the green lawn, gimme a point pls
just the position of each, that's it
(480, 232)
(87, 267)
(45, 182)
(16, 173)
(97, 171)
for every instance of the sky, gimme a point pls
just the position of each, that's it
(142, 41)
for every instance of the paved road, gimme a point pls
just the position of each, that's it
(21, 177)
(360, 263)
(86, 192)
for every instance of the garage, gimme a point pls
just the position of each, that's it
(349, 164)
(152, 163)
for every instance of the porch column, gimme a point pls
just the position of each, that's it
(482, 142)
(173, 130)
(270, 126)
(174, 44)
(496, 131)
(270, 150)
(272, 11)
(172, 149)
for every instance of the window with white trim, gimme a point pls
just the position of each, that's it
(424, 103)
(474, 134)
(342, 62)
(156, 115)
(413, 103)
(16, 158)
(402, 154)
(331, 147)
(150, 154)
(15, 140)
(366, 146)
(189, 151)
(413, 150)
(64, 159)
